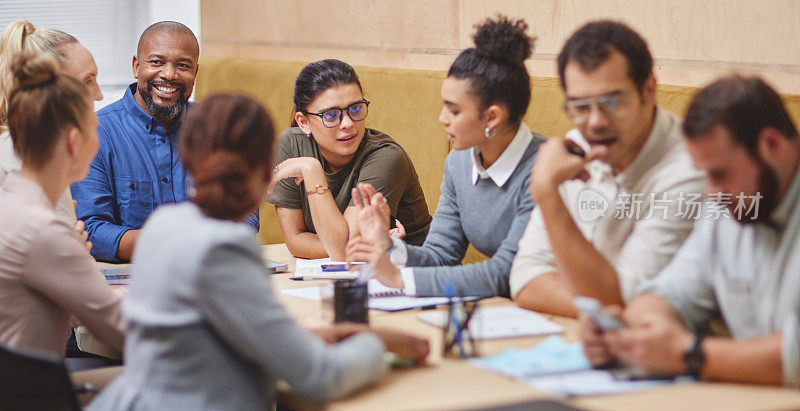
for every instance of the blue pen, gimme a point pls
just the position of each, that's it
(455, 320)
(448, 289)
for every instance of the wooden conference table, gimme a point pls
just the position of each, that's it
(448, 383)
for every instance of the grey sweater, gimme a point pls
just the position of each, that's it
(207, 332)
(489, 217)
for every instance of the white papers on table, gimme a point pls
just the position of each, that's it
(500, 322)
(382, 298)
(309, 293)
(589, 382)
(374, 287)
(386, 298)
(312, 270)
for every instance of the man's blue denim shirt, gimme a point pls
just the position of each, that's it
(136, 169)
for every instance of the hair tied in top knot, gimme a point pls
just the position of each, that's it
(34, 70)
(504, 39)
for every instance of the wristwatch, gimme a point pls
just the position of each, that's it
(693, 357)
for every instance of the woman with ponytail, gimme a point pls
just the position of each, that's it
(485, 199)
(325, 154)
(205, 330)
(46, 276)
(74, 60)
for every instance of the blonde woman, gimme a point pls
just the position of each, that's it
(73, 59)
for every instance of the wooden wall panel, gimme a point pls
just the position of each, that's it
(380, 25)
(692, 41)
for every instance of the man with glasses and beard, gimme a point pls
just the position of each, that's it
(609, 197)
(137, 167)
(744, 267)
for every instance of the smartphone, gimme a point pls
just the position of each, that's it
(595, 311)
(327, 268)
(574, 148)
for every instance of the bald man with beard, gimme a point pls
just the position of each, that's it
(137, 167)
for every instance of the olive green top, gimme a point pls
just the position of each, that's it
(379, 160)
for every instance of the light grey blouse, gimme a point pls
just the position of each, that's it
(206, 331)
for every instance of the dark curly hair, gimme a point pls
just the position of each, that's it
(593, 43)
(495, 66)
(223, 140)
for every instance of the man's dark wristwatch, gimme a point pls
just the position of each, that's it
(694, 358)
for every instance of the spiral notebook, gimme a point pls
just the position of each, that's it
(377, 289)
(382, 298)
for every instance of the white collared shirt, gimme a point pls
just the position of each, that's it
(637, 244)
(500, 171)
(505, 165)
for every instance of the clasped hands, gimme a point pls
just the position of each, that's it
(374, 238)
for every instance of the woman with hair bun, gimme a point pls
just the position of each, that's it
(46, 276)
(485, 200)
(74, 60)
(205, 330)
(325, 154)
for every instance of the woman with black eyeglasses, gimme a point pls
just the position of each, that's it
(325, 154)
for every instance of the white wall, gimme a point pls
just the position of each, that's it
(110, 29)
(182, 11)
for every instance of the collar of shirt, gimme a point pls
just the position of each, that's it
(141, 117)
(788, 204)
(500, 171)
(660, 140)
(23, 187)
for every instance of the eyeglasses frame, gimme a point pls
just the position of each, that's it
(341, 113)
(599, 102)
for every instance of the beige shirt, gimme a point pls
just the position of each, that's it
(637, 219)
(46, 275)
(11, 164)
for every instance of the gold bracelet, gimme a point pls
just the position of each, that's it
(318, 189)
